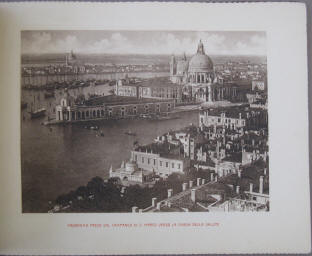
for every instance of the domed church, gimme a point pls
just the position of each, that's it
(200, 83)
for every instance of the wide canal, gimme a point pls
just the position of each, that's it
(59, 159)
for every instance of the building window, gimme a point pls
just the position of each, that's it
(172, 165)
(160, 163)
(148, 161)
(142, 160)
(179, 166)
(154, 161)
(136, 158)
(167, 164)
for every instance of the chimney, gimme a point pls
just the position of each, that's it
(198, 181)
(169, 204)
(184, 186)
(193, 195)
(261, 185)
(265, 171)
(154, 200)
(140, 210)
(240, 115)
(203, 181)
(250, 187)
(239, 173)
(237, 189)
(211, 176)
(158, 206)
(216, 178)
(134, 209)
(170, 192)
(227, 206)
(191, 183)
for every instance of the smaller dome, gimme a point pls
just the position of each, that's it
(131, 166)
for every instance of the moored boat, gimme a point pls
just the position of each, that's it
(130, 133)
(38, 113)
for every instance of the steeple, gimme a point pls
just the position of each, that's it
(200, 48)
(173, 60)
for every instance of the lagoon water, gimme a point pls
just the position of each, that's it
(60, 159)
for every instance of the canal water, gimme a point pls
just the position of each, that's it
(39, 80)
(59, 159)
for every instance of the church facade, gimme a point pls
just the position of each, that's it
(199, 80)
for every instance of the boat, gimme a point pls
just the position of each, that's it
(146, 116)
(130, 133)
(38, 113)
(165, 117)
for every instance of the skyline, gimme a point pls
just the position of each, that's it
(143, 42)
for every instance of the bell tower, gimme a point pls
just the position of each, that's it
(173, 66)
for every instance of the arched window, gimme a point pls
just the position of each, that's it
(94, 113)
(98, 113)
(102, 112)
(79, 115)
(87, 113)
(83, 115)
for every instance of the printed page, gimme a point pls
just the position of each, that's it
(154, 128)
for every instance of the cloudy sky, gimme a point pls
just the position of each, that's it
(143, 42)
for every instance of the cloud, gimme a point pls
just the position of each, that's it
(153, 43)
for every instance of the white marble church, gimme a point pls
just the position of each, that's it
(198, 78)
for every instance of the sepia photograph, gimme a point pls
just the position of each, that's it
(154, 128)
(144, 121)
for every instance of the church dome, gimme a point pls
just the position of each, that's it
(200, 62)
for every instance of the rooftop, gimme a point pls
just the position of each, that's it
(119, 100)
(230, 112)
(157, 82)
(166, 150)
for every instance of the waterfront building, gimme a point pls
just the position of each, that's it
(153, 88)
(161, 159)
(233, 117)
(110, 107)
(199, 80)
(127, 87)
